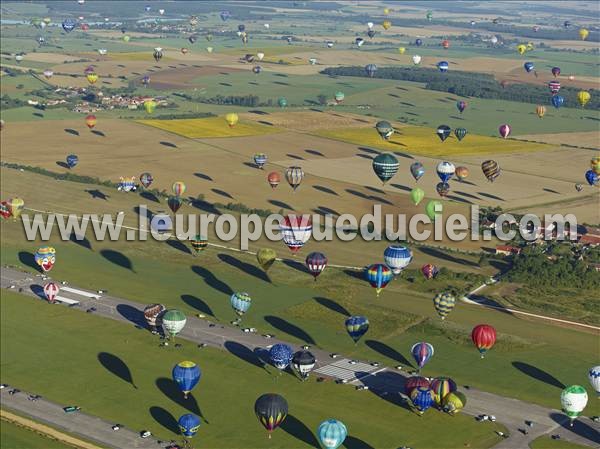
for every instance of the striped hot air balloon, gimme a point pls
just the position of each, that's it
(173, 321)
(385, 166)
(260, 159)
(413, 382)
(357, 326)
(484, 337)
(294, 176)
(178, 188)
(379, 275)
(422, 352)
(296, 231)
(490, 169)
(199, 243)
(444, 303)
(442, 386)
(445, 170)
(240, 302)
(316, 263)
(397, 258)
(554, 87)
(429, 271)
(51, 290)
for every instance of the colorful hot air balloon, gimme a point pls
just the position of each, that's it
(379, 275)
(173, 321)
(444, 303)
(371, 69)
(91, 77)
(273, 179)
(296, 231)
(126, 184)
(316, 263)
(421, 399)
(231, 119)
(384, 129)
(554, 87)
(189, 424)
(490, 169)
(557, 101)
(573, 400)
(555, 71)
(540, 111)
(150, 106)
(429, 271)
(446, 44)
(529, 66)
(266, 257)
(240, 302)
(417, 170)
(178, 188)
(199, 243)
(454, 402)
(51, 290)
(413, 382)
(45, 256)
(442, 188)
(594, 378)
(443, 132)
(339, 97)
(153, 314)
(294, 176)
(281, 355)
(595, 164)
(461, 106)
(484, 337)
(416, 195)
(260, 159)
(462, 173)
(303, 362)
(90, 121)
(385, 166)
(397, 258)
(357, 326)
(445, 170)
(332, 433)
(422, 352)
(271, 410)
(433, 209)
(504, 130)
(186, 375)
(583, 34)
(583, 97)
(442, 386)
(146, 179)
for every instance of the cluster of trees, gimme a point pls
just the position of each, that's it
(60, 176)
(250, 101)
(8, 102)
(470, 84)
(242, 208)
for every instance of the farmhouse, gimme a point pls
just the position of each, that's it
(507, 250)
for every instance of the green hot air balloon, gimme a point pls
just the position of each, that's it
(573, 400)
(282, 102)
(460, 133)
(266, 257)
(339, 97)
(416, 195)
(385, 129)
(430, 209)
(385, 166)
(173, 322)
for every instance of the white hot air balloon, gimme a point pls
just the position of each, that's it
(573, 400)
(260, 56)
(161, 11)
(416, 59)
(267, 26)
(594, 377)
(209, 49)
(370, 24)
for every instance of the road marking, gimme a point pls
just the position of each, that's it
(80, 292)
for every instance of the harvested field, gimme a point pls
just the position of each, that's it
(309, 120)
(185, 77)
(589, 139)
(208, 127)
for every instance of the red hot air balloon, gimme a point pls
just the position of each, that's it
(484, 337)
(51, 290)
(504, 130)
(274, 179)
(429, 271)
(414, 382)
(446, 44)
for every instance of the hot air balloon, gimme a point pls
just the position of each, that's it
(296, 231)
(583, 97)
(126, 38)
(461, 106)
(521, 48)
(573, 400)
(126, 184)
(45, 256)
(316, 263)
(260, 56)
(557, 101)
(413, 382)
(444, 303)
(146, 179)
(416, 195)
(189, 424)
(442, 188)
(359, 41)
(422, 352)
(186, 375)
(386, 24)
(594, 378)
(19, 58)
(51, 290)
(579, 187)
(153, 314)
(150, 106)
(184, 51)
(442, 386)
(282, 102)
(4, 210)
(281, 355)
(91, 77)
(72, 160)
(303, 362)
(433, 209)
(445, 170)
(384, 129)
(429, 16)
(357, 326)
(583, 34)
(90, 121)
(462, 173)
(454, 402)
(329, 44)
(529, 67)
(416, 59)
(266, 257)
(260, 159)
(484, 337)
(567, 23)
(332, 433)
(209, 49)
(443, 132)
(231, 119)
(417, 170)
(294, 176)
(397, 258)
(102, 51)
(418, 42)
(256, 69)
(555, 71)
(490, 169)
(240, 302)
(271, 410)
(504, 130)
(224, 15)
(446, 44)
(178, 188)
(401, 50)
(145, 80)
(199, 243)
(595, 164)
(592, 178)
(173, 321)
(48, 73)
(429, 271)
(442, 66)
(379, 275)
(421, 399)
(312, 61)
(371, 69)
(69, 25)
(540, 111)
(339, 97)
(554, 87)
(273, 179)
(385, 166)
(158, 54)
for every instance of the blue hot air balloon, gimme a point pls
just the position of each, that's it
(281, 355)
(225, 15)
(186, 375)
(69, 25)
(421, 352)
(147, 8)
(592, 178)
(397, 258)
(419, 42)
(357, 326)
(189, 424)
(422, 398)
(529, 66)
(445, 170)
(72, 160)
(557, 101)
(442, 66)
(379, 275)
(332, 433)
(417, 170)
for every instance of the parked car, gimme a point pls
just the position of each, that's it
(145, 434)
(71, 408)
(334, 355)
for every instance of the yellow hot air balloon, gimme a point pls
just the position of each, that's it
(149, 106)
(386, 24)
(583, 96)
(231, 119)
(530, 46)
(595, 164)
(522, 48)
(386, 11)
(583, 34)
(126, 38)
(401, 50)
(540, 111)
(92, 77)
(266, 257)
(209, 49)
(15, 205)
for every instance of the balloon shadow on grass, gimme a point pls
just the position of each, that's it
(132, 314)
(198, 304)
(98, 133)
(28, 259)
(118, 258)
(116, 366)
(355, 443)
(149, 196)
(62, 164)
(176, 244)
(325, 190)
(434, 252)
(244, 353)
(95, 193)
(579, 427)
(244, 266)
(211, 280)
(387, 351)
(296, 265)
(281, 204)
(387, 385)
(71, 131)
(289, 328)
(38, 291)
(332, 305)
(168, 144)
(296, 428)
(165, 419)
(538, 374)
(171, 390)
(80, 240)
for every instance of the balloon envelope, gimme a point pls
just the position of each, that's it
(332, 433)
(271, 410)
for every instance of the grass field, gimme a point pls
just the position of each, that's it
(16, 437)
(208, 127)
(545, 442)
(128, 367)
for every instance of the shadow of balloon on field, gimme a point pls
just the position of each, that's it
(385, 384)
(28, 259)
(402, 187)
(165, 419)
(38, 291)
(62, 164)
(204, 206)
(244, 353)
(37, 114)
(324, 210)
(167, 144)
(325, 190)
(387, 351)
(468, 195)
(203, 176)
(117, 258)
(355, 443)
(356, 274)
(116, 366)
(434, 252)
(179, 246)
(295, 265)
(198, 304)
(280, 204)
(538, 374)
(98, 133)
(171, 390)
(314, 153)
(222, 193)
(296, 428)
(95, 193)
(149, 196)
(289, 328)
(490, 196)
(211, 280)
(332, 305)
(80, 240)
(132, 314)
(579, 427)
(244, 266)
(71, 131)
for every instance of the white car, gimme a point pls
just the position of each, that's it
(492, 418)
(352, 362)
(3, 386)
(246, 329)
(145, 434)
(253, 330)
(334, 355)
(267, 336)
(116, 427)
(399, 367)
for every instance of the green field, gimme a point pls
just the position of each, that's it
(16, 437)
(545, 442)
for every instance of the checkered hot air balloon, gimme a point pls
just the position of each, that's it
(379, 275)
(294, 176)
(51, 290)
(484, 337)
(316, 263)
(186, 375)
(385, 166)
(444, 303)
(332, 433)
(260, 159)
(397, 258)
(296, 231)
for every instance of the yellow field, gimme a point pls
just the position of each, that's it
(424, 141)
(137, 56)
(209, 127)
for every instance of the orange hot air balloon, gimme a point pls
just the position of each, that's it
(90, 121)
(540, 111)
(446, 44)
(274, 179)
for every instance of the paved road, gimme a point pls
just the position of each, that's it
(385, 382)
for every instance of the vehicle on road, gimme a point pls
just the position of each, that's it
(201, 315)
(267, 335)
(116, 427)
(362, 387)
(145, 434)
(3, 386)
(202, 345)
(14, 391)
(334, 355)
(71, 409)
(375, 364)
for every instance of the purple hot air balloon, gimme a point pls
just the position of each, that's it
(461, 105)
(555, 71)
(421, 352)
(504, 130)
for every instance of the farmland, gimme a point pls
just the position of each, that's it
(208, 127)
